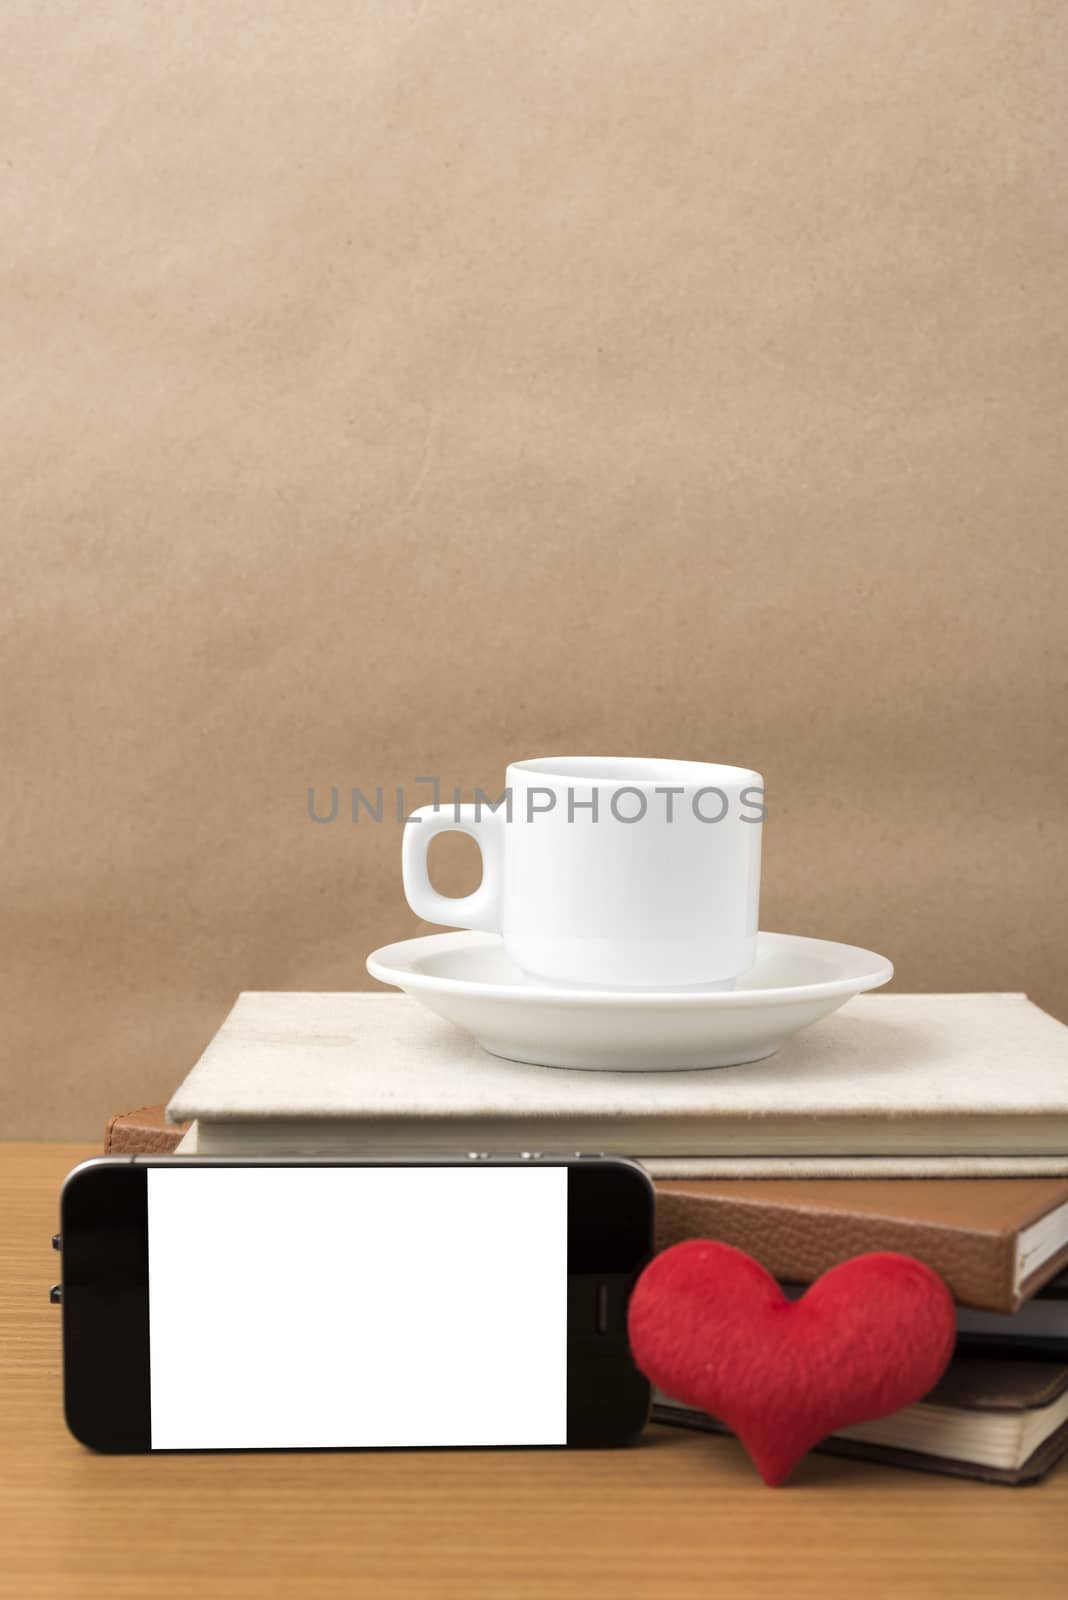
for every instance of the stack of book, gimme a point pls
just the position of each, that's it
(932, 1124)
(999, 1244)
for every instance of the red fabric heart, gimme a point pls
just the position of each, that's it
(710, 1327)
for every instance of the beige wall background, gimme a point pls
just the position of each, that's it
(392, 389)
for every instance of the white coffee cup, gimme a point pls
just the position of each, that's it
(608, 872)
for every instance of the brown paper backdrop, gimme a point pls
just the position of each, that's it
(396, 388)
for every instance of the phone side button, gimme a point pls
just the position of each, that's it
(57, 1241)
(55, 1294)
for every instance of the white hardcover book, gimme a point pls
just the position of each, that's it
(900, 1085)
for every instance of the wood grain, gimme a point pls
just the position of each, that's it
(679, 1515)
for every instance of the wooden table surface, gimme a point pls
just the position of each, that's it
(681, 1514)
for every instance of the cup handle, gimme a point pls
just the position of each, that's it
(482, 909)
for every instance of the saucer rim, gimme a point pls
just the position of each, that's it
(379, 967)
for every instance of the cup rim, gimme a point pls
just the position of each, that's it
(639, 772)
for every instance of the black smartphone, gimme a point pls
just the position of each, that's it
(241, 1304)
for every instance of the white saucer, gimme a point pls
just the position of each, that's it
(469, 980)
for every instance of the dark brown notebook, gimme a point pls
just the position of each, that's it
(1002, 1421)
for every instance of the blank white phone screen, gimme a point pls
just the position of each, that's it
(340, 1306)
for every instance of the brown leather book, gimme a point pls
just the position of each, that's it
(145, 1132)
(1002, 1421)
(994, 1241)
